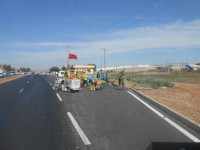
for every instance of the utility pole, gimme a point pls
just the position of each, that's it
(101, 61)
(104, 58)
(68, 64)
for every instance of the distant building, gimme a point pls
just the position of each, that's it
(1, 70)
(198, 64)
(1, 66)
(89, 68)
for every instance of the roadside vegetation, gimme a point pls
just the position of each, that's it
(157, 80)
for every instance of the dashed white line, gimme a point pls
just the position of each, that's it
(186, 133)
(21, 90)
(31, 77)
(59, 97)
(50, 83)
(78, 129)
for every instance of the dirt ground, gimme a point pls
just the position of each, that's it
(10, 78)
(183, 98)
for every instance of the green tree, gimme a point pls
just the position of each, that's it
(54, 68)
(23, 69)
(95, 67)
(8, 68)
(64, 68)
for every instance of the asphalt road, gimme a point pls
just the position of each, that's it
(34, 116)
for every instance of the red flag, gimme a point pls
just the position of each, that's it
(72, 56)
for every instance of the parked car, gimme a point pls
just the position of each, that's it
(1, 75)
(11, 73)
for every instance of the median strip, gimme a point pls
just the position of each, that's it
(186, 133)
(78, 129)
(59, 97)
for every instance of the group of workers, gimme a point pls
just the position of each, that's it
(99, 75)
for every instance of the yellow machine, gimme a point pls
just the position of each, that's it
(69, 75)
(73, 75)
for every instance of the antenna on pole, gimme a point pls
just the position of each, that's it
(105, 57)
(68, 63)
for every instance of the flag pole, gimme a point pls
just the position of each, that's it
(68, 61)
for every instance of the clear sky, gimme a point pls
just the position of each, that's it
(34, 33)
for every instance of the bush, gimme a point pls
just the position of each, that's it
(154, 83)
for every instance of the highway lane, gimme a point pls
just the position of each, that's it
(34, 118)
(114, 119)
(110, 119)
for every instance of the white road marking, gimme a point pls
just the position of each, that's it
(27, 81)
(78, 129)
(189, 135)
(50, 83)
(53, 88)
(59, 97)
(31, 77)
(21, 90)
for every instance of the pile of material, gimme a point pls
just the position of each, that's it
(96, 84)
(99, 81)
(113, 82)
(91, 86)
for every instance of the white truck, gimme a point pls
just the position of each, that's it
(67, 85)
(73, 85)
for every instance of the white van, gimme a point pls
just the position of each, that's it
(1, 75)
(60, 73)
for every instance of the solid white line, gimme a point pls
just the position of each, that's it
(189, 135)
(59, 97)
(21, 90)
(78, 129)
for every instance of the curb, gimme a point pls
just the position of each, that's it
(178, 117)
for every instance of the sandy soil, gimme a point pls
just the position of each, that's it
(183, 98)
(10, 78)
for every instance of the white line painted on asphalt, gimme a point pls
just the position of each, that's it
(31, 77)
(78, 129)
(189, 135)
(21, 90)
(59, 97)
(50, 83)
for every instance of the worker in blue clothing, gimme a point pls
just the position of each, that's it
(102, 76)
(98, 75)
